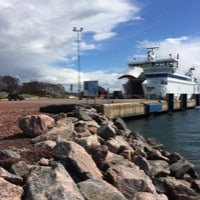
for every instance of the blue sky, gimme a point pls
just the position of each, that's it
(37, 41)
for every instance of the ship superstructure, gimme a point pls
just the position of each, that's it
(161, 77)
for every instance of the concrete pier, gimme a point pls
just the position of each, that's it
(144, 107)
(122, 110)
(114, 108)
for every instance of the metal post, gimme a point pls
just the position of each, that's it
(78, 59)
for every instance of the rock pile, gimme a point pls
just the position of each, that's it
(94, 157)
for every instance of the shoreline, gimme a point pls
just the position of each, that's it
(93, 153)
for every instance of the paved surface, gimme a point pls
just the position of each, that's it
(6, 105)
(67, 101)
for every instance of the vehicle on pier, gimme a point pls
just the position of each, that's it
(15, 96)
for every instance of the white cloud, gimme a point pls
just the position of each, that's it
(103, 36)
(105, 78)
(176, 40)
(36, 33)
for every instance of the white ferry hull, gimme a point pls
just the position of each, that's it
(159, 88)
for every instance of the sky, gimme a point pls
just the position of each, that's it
(38, 42)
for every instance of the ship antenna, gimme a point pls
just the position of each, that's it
(151, 55)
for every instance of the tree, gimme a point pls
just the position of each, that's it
(43, 89)
(9, 83)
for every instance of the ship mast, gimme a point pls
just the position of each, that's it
(151, 53)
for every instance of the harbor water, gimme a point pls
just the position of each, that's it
(178, 132)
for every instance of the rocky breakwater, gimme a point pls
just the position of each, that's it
(93, 157)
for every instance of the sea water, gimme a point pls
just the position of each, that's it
(178, 132)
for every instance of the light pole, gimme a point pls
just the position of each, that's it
(78, 31)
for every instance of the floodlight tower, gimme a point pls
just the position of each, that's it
(78, 31)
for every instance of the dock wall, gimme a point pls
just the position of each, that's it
(144, 107)
(122, 110)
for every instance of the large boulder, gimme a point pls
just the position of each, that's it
(156, 155)
(81, 129)
(143, 164)
(82, 115)
(99, 118)
(21, 168)
(67, 122)
(107, 130)
(182, 167)
(104, 158)
(130, 181)
(93, 189)
(117, 144)
(76, 159)
(9, 154)
(34, 125)
(10, 177)
(149, 196)
(159, 168)
(179, 189)
(174, 157)
(83, 126)
(196, 185)
(91, 140)
(62, 131)
(51, 183)
(57, 134)
(113, 159)
(139, 144)
(120, 124)
(99, 154)
(9, 191)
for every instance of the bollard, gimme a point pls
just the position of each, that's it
(183, 98)
(170, 102)
(197, 99)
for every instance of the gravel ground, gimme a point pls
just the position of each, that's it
(11, 136)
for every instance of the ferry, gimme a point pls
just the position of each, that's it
(161, 77)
